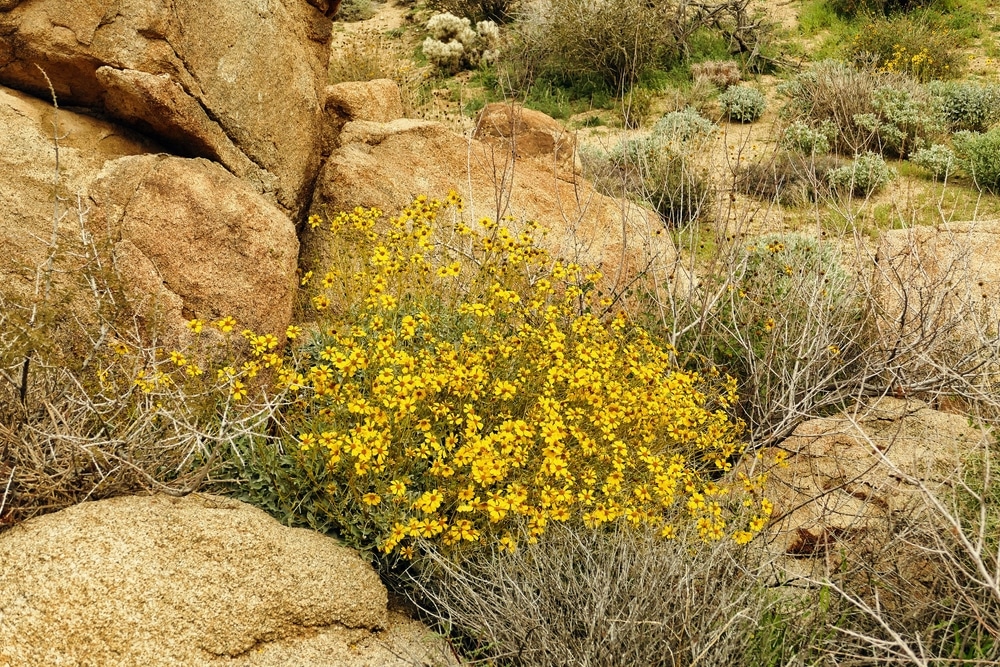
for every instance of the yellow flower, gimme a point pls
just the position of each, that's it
(293, 332)
(195, 325)
(238, 391)
(371, 499)
(226, 324)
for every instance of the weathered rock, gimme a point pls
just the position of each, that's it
(387, 164)
(378, 101)
(848, 483)
(946, 277)
(237, 81)
(199, 580)
(27, 182)
(189, 238)
(207, 244)
(526, 132)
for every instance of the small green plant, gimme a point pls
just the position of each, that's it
(680, 126)
(979, 156)
(743, 103)
(807, 140)
(866, 175)
(966, 105)
(938, 159)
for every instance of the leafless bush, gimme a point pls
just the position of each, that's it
(613, 597)
(617, 41)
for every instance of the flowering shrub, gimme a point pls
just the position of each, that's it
(904, 44)
(453, 44)
(463, 386)
(743, 103)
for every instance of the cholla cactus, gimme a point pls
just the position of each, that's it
(454, 44)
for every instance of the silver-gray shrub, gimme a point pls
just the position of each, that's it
(743, 103)
(966, 105)
(938, 159)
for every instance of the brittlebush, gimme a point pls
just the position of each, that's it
(461, 384)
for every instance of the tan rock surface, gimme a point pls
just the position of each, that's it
(946, 275)
(199, 580)
(378, 101)
(27, 178)
(848, 483)
(526, 132)
(387, 164)
(256, 70)
(213, 246)
(189, 238)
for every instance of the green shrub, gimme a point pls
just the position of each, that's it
(743, 103)
(870, 111)
(979, 156)
(802, 138)
(680, 126)
(966, 105)
(616, 41)
(868, 7)
(866, 175)
(901, 117)
(907, 45)
(939, 160)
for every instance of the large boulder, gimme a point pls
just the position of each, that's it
(189, 239)
(942, 279)
(386, 165)
(236, 81)
(845, 487)
(197, 242)
(527, 133)
(200, 580)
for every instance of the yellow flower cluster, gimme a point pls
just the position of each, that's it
(463, 385)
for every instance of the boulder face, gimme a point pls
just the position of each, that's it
(189, 239)
(197, 242)
(527, 133)
(947, 276)
(199, 580)
(387, 164)
(237, 81)
(846, 484)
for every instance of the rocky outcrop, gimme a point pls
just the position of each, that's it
(189, 239)
(527, 133)
(387, 164)
(944, 278)
(199, 580)
(197, 242)
(239, 82)
(849, 483)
